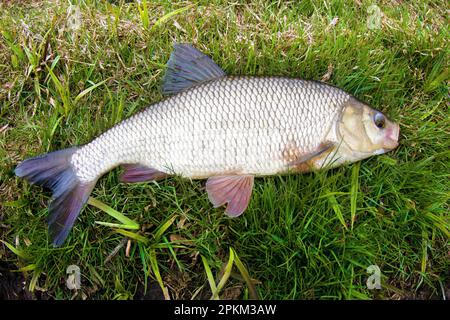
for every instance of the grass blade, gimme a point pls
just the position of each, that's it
(15, 250)
(336, 208)
(34, 280)
(29, 267)
(130, 224)
(354, 192)
(251, 288)
(143, 13)
(226, 275)
(87, 90)
(160, 231)
(439, 222)
(14, 48)
(63, 92)
(155, 269)
(174, 255)
(169, 15)
(116, 225)
(132, 235)
(209, 275)
(423, 265)
(143, 255)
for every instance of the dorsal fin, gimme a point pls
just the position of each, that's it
(188, 67)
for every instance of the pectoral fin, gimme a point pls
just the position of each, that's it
(139, 173)
(234, 190)
(304, 158)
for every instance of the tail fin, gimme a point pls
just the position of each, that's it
(54, 171)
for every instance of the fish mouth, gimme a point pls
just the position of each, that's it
(392, 135)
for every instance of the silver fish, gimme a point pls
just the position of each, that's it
(226, 129)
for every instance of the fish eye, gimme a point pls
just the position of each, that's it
(379, 120)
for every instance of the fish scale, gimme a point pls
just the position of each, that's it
(233, 124)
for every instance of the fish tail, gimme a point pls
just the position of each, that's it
(54, 171)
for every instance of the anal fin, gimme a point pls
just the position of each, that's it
(234, 190)
(140, 173)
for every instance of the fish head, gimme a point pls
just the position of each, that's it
(366, 131)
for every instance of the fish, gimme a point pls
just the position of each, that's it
(226, 129)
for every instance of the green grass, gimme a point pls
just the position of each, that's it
(309, 236)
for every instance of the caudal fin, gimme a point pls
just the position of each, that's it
(54, 171)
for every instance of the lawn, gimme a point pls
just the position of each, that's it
(68, 73)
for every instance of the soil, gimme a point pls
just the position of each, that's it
(12, 284)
